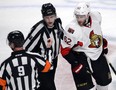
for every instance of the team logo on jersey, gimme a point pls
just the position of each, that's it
(96, 40)
(70, 30)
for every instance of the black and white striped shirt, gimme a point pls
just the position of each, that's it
(20, 70)
(36, 40)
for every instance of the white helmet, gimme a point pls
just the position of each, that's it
(82, 9)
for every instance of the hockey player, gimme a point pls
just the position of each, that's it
(49, 27)
(20, 70)
(84, 49)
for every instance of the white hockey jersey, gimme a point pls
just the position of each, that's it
(90, 36)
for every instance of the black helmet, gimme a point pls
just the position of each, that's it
(16, 37)
(48, 9)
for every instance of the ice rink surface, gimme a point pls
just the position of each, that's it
(23, 14)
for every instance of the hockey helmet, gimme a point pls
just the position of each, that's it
(82, 8)
(48, 9)
(16, 37)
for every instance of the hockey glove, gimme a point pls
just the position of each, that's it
(68, 54)
(105, 44)
(77, 68)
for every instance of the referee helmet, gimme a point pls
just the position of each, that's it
(48, 9)
(16, 37)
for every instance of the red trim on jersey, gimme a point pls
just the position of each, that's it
(105, 43)
(79, 43)
(90, 21)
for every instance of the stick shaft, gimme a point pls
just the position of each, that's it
(112, 68)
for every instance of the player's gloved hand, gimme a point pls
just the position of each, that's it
(79, 69)
(105, 44)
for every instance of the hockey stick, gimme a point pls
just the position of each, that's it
(113, 69)
(111, 66)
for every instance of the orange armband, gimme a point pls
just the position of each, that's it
(3, 83)
(47, 66)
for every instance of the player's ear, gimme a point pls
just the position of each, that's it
(11, 45)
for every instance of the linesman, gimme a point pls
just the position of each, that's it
(20, 70)
(49, 27)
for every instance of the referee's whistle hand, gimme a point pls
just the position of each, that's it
(49, 42)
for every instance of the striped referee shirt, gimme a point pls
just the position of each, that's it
(36, 40)
(20, 71)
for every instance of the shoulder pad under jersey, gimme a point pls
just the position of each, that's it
(96, 16)
(73, 27)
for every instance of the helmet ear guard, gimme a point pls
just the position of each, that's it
(48, 9)
(82, 9)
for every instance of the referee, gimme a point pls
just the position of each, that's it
(49, 27)
(20, 70)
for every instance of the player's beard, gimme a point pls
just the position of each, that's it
(81, 23)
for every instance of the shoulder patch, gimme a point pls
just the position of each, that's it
(70, 30)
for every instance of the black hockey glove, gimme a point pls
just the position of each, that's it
(77, 68)
(73, 60)
(70, 57)
(80, 68)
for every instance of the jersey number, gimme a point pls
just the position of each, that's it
(67, 40)
(21, 71)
